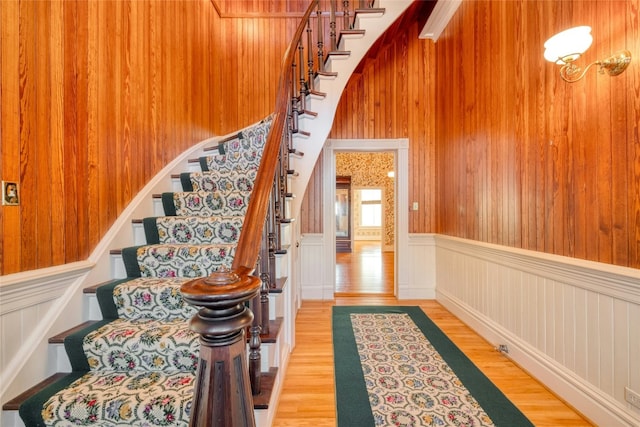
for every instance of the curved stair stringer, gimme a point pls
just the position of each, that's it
(34, 359)
(64, 285)
(325, 107)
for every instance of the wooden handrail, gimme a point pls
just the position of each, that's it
(249, 243)
(222, 392)
(223, 318)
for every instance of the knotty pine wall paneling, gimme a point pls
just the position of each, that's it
(502, 150)
(311, 207)
(393, 97)
(9, 119)
(525, 159)
(97, 97)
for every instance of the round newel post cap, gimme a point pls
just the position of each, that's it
(222, 288)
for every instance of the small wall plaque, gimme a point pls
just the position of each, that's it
(10, 196)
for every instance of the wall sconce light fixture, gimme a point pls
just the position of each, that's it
(567, 46)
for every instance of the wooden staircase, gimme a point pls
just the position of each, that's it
(302, 127)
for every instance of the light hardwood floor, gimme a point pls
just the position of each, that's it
(308, 397)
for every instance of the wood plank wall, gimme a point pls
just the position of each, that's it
(94, 104)
(98, 96)
(525, 159)
(392, 97)
(501, 149)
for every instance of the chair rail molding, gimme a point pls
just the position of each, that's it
(571, 323)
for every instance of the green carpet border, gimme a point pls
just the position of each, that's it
(349, 378)
(168, 204)
(104, 295)
(31, 409)
(73, 346)
(185, 180)
(130, 261)
(151, 234)
(500, 409)
(203, 164)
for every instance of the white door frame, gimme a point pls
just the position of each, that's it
(401, 149)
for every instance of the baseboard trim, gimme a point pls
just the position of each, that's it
(586, 399)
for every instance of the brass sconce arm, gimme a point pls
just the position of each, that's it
(613, 65)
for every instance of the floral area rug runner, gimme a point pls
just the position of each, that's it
(394, 367)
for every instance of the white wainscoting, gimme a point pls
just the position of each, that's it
(421, 268)
(33, 306)
(415, 273)
(313, 286)
(573, 324)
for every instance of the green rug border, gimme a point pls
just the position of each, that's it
(356, 411)
(31, 409)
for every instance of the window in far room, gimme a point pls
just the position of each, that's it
(370, 207)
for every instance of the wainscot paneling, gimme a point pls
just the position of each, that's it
(571, 323)
(421, 268)
(29, 314)
(312, 283)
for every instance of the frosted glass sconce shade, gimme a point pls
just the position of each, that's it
(568, 45)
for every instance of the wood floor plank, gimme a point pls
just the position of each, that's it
(308, 396)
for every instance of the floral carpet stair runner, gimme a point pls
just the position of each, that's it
(136, 367)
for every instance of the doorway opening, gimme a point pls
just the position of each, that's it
(400, 150)
(365, 223)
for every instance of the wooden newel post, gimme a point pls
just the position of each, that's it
(222, 394)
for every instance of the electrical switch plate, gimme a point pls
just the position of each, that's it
(415, 206)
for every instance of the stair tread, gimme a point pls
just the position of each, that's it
(353, 31)
(370, 10)
(270, 338)
(274, 330)
(261, 400)
(14, 404)
(317, 93)
(327, 73)
(59, 338)
(280, 284)
(267, 381)
(339, 52)
(92, 289)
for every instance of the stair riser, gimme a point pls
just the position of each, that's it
(176, 185)
(91, 301)
(117, 267)
(262, 416)
(334, 62)
(138, 234)
(158, 209)
(282, 266)
(270, 354)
